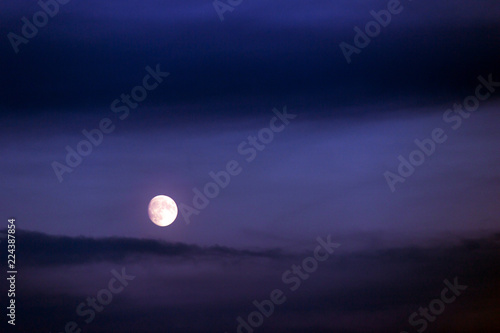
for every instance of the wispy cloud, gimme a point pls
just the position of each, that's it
(379, 288)
(46, 250)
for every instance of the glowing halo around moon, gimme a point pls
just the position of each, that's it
(162, 210)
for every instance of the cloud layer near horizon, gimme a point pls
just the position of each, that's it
(350, 292)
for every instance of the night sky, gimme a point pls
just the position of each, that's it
(356, 142)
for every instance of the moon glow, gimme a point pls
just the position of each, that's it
(162, 210)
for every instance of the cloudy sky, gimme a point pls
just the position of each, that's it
(322, 175)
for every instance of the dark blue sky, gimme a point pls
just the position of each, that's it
(323, 174)
(287, 51)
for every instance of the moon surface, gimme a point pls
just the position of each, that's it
(162, 210)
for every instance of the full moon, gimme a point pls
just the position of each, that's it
(162, 210)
